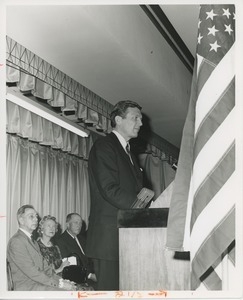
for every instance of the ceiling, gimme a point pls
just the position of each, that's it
(117, 52)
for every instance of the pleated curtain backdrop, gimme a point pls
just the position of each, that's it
(46, 167)
(52, 181)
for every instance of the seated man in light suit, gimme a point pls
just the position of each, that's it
(29, 270)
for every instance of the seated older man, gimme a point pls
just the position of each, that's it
(29, 270)
(72, 242)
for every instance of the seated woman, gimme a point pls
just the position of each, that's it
(51, 253)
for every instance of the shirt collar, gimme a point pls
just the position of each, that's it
(74, 237)
(121, 139)
(26, 232)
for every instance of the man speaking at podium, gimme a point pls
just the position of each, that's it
(115, 181)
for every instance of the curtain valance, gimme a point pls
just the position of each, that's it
(26, 124)
(43, 80)
(62, 103)
(37, 78)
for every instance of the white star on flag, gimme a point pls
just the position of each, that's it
(226, 13)
(228, 29)
(214, 46)
(212, 30)
(211, 15)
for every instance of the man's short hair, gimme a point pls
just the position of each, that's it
(22, 210)
(120, 109)
(69, 216)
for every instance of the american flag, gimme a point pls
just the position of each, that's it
(202, 211)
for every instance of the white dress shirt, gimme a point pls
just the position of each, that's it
(124, 143)
(26, 232)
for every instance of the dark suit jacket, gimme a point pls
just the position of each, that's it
(69, 246)
(30, 272)
(114, 184)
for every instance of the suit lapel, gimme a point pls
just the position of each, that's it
(32, 244)
(78, 251)
(74, 244)
(134, 168)
(122, 151)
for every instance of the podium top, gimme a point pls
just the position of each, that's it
(147, 217)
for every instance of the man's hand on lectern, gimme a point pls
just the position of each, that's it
(143, 198)
(145, 194)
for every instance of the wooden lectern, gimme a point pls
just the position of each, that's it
(144, 262)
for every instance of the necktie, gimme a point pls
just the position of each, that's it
(129, 152)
